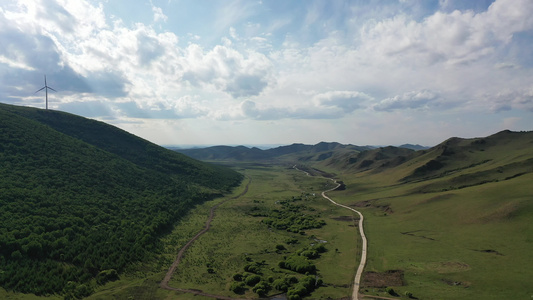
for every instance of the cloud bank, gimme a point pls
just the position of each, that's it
(274, 62)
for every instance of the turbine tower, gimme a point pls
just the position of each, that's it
(45, 88)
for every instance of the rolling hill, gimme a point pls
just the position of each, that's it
(81, 199)
(294, 152)
(449, 222)
(454, 219)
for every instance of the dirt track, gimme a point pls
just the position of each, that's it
(357, 279)
(170, 272)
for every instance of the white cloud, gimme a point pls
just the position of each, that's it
(268, 112)
(454, 38)
(347, 101)
(410, 100)
(226, 69)
(376, 60)
(158, 14)
(506, 100)
(15, 63)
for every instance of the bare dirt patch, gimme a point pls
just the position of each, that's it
(383, 279)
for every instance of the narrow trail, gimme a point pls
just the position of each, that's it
(358, 274)
(173, 267)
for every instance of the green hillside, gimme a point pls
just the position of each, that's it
(81, 199)
(454, 220)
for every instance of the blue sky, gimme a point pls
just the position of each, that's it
(276, 72)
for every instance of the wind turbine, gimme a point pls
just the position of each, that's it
(46, 88)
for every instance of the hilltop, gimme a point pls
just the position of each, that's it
(82, 199)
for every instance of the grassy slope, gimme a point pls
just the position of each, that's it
(466, 223)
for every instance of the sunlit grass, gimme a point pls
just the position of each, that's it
(469, 243)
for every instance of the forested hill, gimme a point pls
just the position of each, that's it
(82, 199)
(130, 147)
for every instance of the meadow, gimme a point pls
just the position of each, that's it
(466, 243)
(237, 238)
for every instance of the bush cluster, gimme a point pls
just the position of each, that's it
(292, 218)
(300, 261)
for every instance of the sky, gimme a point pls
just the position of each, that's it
(209, 72)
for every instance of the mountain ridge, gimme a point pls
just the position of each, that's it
(354, 159)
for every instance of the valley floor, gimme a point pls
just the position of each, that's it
(461, 244)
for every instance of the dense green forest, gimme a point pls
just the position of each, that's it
(80, 199)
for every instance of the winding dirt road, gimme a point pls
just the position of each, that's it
(357, 279)
(170, 272)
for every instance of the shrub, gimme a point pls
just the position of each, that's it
(252, 280)
(237, 287)
(391, 291)
(298, 264)
(252, 268)
(261, 288)
(281, 284)
(291, 241)
(311, 254)
(237, 277)
(320, 248)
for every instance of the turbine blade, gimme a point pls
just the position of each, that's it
(44, 80)
(51, 89)
(40, 90)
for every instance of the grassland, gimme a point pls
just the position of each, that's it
(237, 238)
(9, 295)
(465, 243)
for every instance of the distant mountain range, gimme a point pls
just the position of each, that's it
(299, 152)
(414, 147)
(242, 153)
(424, 162)
(192, 148)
